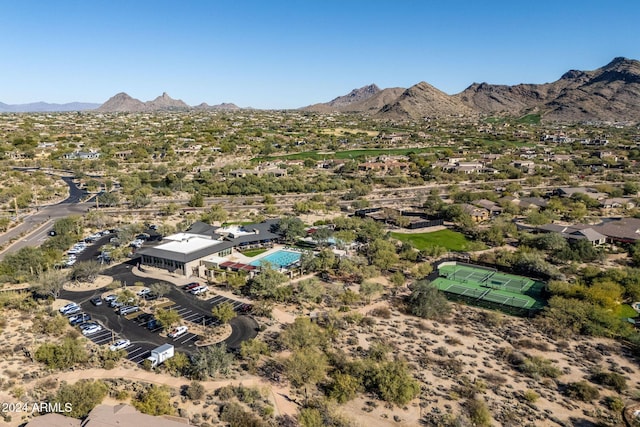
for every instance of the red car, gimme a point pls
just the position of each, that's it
(191, 285)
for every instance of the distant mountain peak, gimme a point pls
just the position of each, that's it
(609, 93)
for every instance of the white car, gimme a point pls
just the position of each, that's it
(180, 330)
(69, 307)
(91, 329)
(119, 345)
(199, 290)
(144, 291)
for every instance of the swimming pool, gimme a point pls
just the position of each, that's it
(278, 259)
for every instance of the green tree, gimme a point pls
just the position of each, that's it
(154, 400)
(382, 254)
(236, 280)
(427, 301)
(196, 201)
(160, 289)
(179, 364)
(291, 228)
(223, 312)
(303, 333)
(251, 351)
(167, 318)
(344, 387)
(264, 284)
(368, 289)
(306, 367)
(85, 271)
(50, 282)
(210, 361)
(82, 396)
(394, 383)
(109, 199)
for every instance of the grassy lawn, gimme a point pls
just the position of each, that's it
(253, 252)
(625, 310)
(452, 240)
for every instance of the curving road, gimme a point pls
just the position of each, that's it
(36, 227)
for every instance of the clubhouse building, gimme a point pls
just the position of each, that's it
(202, 247)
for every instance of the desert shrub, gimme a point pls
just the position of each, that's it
(478, 412)
(344, 387)
(195, 390)
(154, 401)
(581, 390)
(494, 378)
(82, 396)
(54, 325)
(61, 356)
(236, 416)
(614, 403)
(383, 312)
(492, 319)
(611, 380)
(529, 343)
(530, 396)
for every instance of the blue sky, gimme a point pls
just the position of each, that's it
(287, 54)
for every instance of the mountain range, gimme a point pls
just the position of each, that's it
(125, 103)
(609, 93)
(38, 107)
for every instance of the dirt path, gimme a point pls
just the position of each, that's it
(277, 394)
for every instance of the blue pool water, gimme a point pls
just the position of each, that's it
(278, 259)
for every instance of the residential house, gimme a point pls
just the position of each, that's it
(570, 191)
(617, 203)
(106, 416)
(492, 207)
(477, 214)
(624, 230)
(575, 232)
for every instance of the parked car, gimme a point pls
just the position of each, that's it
(149, 297)
(79, 319)
(128, 309)
(199, 290)
(144, 291)
(180, 330)
(191, 285)
(96, 301)
(119, 345)
(110, 298)
(91, 329)
(143, 317)
(66, 308)
(153, 324)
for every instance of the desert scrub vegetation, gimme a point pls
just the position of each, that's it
(582, 391)
(68, 353)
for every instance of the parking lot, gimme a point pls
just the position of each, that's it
(136, 353)
(189, 307)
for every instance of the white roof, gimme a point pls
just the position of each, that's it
(188, 244)
(183, 236)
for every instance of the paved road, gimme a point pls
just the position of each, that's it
(43, 220)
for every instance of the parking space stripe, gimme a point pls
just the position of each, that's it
(189, 339)
(214, 300)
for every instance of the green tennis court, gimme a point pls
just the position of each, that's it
(481, 286)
